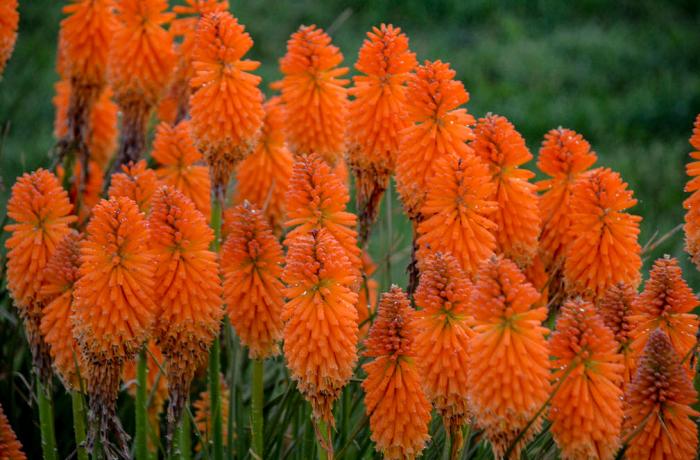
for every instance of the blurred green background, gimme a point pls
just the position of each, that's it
(624, 74)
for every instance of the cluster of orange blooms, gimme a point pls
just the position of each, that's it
(101, 264)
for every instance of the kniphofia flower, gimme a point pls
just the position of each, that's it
(251, 261)
(136, 181)
(458, 211)
(586, 409)
(667, 303)
(189, 290)
(518, 217)
(444, 328)
(321, 333)
(41, 211)
(179, 164)
(377, 116)
(314, 97)
(692, 203)
(508, 347)
(141, 61)
(615, 308)
(399, 412)
(263, 177)
(10, 447)
(437, 128)
(114, 307)
(9, 20)
(658, 405)
(203, 416)
(227, 105)
(603, 249)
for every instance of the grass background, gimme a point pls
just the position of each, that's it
(625, 74)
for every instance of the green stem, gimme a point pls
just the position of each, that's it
(214, 358)
(79, 424)
(323, 439)
(48, 435)
(141, 408)
(183, 447)
(257, 407)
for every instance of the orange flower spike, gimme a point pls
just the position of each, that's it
(113, 310)
(604, 249)
(56, 294)
(399, 412)
(227, 104)
(564, 155)
(667, 302)
(377, 116)
(263, 177)
(189, 288)
(136, 181)
(509, 347)
(174, 150)
(458, 212)
(444, 326)
(658, 405)
(438, 127)
(692, 203)
(10, 447)
(203, 416)
(586, 410)
(9, 21)
(518, 217)
(251, 261)
(321, 334)
(315, 98)
(615, 308)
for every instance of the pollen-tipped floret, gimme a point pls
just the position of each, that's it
(251, 261)
(603, 249)
(9, 20)
(437, 128)
(10, 447)
(692, 203)
(508, 347)
(136, 181)
(615, 308)
(321, 331)
(586, 410)
(399, 412)
(315, 98)
(444, 325)
(658, 406)
(458, 212)
(188, 288)
(518, 217)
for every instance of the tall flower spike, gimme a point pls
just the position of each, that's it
(564, 155)
(603, 249)
(227, 105)
(321, 334)
(174, 150)
(141, 61)
(138, 182)
(399, 412)
(437, 128)
(586, 409)
(9, 20)
(667, 303)
(458, 212)
(113, 306)
(518, 217)
(377, 116)
(263, 177)
(315, 98)
(615, 307)
(251, 261)
(41, 212)
(10, 447)
(692, 203)
(658, 406)
(56, 294)
(508, 347)
(189, 288)
(203, 416)
(442, 342)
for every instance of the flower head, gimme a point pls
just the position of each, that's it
(615, 308)
(138, 182)
(692, 203)
(399, 412)
(9, 20)
(10, 447)
(315, 98)
(586, 410)
(251, 261)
